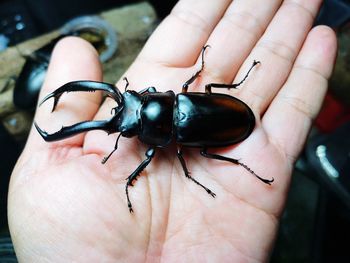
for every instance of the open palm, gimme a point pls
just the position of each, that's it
(65, 206)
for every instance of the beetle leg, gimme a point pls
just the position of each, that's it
(188, 174)
(196, 75)
(149, 154)
(65, 132)
(89, 86)
(229, 86)
(105, 159)
(235, 161)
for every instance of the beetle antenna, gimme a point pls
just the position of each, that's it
(126, 83)
(203, 51)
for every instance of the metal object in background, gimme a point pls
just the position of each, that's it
(329, 155)
(95, 30)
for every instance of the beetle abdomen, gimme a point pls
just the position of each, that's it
(202, 120)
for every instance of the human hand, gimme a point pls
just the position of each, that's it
(65, 206)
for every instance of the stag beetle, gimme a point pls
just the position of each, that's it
(191, 119)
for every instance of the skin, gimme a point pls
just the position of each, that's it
(65, 206)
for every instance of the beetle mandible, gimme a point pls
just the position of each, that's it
(191, 119)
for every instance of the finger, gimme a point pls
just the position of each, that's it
(289, 117)
(179, 38)
(277, 50)
(235, 35)
(72, 59)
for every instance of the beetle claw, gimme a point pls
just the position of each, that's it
(267, 181)
(256, 62)
(211, 193)
(130, 183)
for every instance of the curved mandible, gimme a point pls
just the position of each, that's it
(85, 85)
(68, 131)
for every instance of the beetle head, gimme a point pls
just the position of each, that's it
(127, 114)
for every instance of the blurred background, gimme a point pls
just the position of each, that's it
(315, 226)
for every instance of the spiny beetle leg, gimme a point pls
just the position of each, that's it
(196, 75)
(229, 86)
(149, 154)
(87, 86)
(235, 161)
(188, 175)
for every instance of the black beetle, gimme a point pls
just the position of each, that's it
(191, 119)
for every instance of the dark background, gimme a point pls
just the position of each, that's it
(316, 224)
